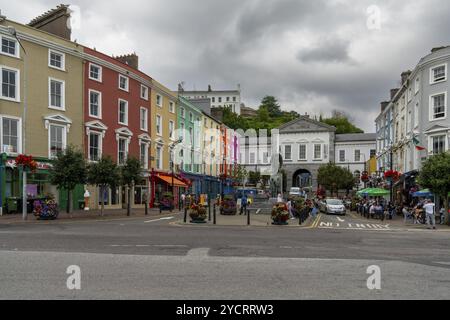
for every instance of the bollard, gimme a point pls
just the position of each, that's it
(248, 217)
(300, 218)
(185, 215)
(209, 209)
(214, 214)
(146, 208)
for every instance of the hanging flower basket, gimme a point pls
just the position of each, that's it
(280, 214)
(391, 175)
(26, 162)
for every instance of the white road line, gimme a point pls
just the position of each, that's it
(340, 220)
(160, 219)
(197, 253)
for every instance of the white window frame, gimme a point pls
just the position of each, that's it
(17, 71)
(17, 48)
(147, 146)
(416, 114)
(127, 147)
(160, 98)
(144, 96)
(145, 128)
(340, 159)
(64, 142)
(126, 112)
(127, 87)
(430, 142)
(100, 72)
(99, 104)
(158, 132)
(431, 107)
(314, 151)
(100, 144)
(19, 134)
(171, 107)
(172, 136)
(417, 85)
(432, 81)
(160, 148)
(63, 60)
(284, 153)
(63, 94)
(360, 153)
(306, 152)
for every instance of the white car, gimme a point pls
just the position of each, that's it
(333, 206)
(294, 191)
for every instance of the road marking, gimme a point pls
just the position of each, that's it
(340, 220)
(197, 253)
(160, 219)
(149, 245)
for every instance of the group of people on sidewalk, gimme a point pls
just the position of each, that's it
(375, 208)
(422, 212)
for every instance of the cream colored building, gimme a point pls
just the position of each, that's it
(41, 103)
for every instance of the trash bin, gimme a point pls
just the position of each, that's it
(81, 204)
(12, 205)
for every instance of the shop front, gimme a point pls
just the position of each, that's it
(162, 183)
(11, 182)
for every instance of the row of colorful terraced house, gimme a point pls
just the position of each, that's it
(56, 92)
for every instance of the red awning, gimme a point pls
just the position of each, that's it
(176, 182)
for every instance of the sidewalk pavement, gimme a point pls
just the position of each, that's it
(81, 215)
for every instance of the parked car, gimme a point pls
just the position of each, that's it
(294, 191)
(333, 206)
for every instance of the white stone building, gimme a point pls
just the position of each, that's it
(219, 98)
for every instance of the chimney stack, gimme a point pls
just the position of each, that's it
(393, 93)
(209, 88)
(384, 104)
(405, 75)
(55, 21)
(130, 59)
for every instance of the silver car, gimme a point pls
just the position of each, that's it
(333, 206)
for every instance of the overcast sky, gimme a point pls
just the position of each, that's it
(313, 56)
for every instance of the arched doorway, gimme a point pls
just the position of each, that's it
(302, 178)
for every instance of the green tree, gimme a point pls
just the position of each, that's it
(435, 175)
(103, 174)
(272, 106)
(254, 177)
(342, 122)
(68, 170)
(333, 178)
(241, 174)
(131, 173)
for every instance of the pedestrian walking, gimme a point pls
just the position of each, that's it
(429, 212)
(279, 198)
(244, 204)
(289, 207)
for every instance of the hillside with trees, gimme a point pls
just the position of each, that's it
(270, 116)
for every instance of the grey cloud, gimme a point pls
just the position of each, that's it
(341, 66)
(329, 50)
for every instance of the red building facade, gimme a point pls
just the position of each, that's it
(117, 119)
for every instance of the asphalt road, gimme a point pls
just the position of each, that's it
(142, 258)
